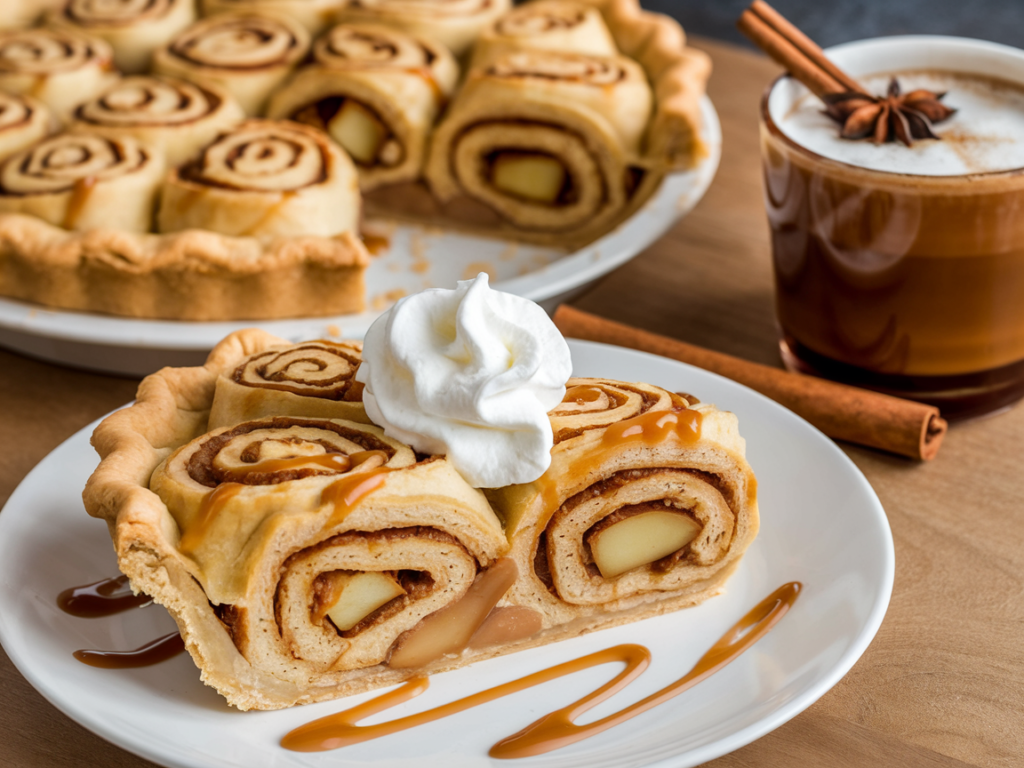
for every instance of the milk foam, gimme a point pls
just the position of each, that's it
(986, 134)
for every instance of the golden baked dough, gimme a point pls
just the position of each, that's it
(549, 153)
(264, 178)
(621, 450)
(581, 116)
(61, 68)
(314, 15)
(377, 92)
(552, 25)
(83, 181)
(456, 24)
(256, 513)
(244, 531)
(175, 117)
(191, 275)
(23, 122)
(132, 27)
(315, 379)
(246, 54)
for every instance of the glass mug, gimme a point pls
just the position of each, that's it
(895, 280)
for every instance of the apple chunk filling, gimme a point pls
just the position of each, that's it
(637, 536)
(535, 177)
(348, 597)
(359, 131)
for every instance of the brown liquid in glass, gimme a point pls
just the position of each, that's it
(908, 285)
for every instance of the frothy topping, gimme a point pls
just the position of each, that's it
(470, 373)
(985, 135)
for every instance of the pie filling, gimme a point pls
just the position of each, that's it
(358, 128)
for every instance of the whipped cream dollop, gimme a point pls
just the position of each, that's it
(470, 373)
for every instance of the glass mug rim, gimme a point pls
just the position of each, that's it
(996, 49)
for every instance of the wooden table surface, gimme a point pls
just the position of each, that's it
(942, 684)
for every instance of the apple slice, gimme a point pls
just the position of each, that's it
(534, 177)
(357, 594)
(640, 539)
(358, 131)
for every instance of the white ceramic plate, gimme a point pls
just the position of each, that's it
(821, 524)
(418, 258)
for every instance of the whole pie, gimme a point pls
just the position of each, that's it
(214, 160)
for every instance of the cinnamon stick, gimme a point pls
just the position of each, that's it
(791, 48)
(842, 412)
(803, 43)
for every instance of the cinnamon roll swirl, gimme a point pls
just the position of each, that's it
(549, 141)
(59, 67)
(319, 542)
(553, 25)
(298, 555)
(23, 13)
(173, 116)
(377, 92)
(647, 507)
(84, 181)
(313, 378)
(314, 15)
(134, 28)
(678, 73)
(456, 24)
(23, 121)
(264, 178)
(248, 55)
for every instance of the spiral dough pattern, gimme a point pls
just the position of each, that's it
(59, 163)
(361, 47)
(266, 156)
(316, 369)
(112, 12)
(149, 101)
(47, 51)
(238, 42)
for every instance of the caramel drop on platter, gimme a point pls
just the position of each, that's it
(556, 729)
(376, 244)
(101, 598)
(153, 652)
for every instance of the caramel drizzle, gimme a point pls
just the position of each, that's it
(582, 394)
(153, 652)
(333, 462)
(100, 598)
(80, 193)
(345, 494)
(557, 729)
(209, 509)
(651, 429)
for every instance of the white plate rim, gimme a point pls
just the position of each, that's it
(93, 721)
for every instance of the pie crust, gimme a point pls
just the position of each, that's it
(201, 522)
(202, 275)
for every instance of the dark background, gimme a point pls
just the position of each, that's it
(828, 22)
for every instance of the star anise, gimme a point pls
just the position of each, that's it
(887, 118)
